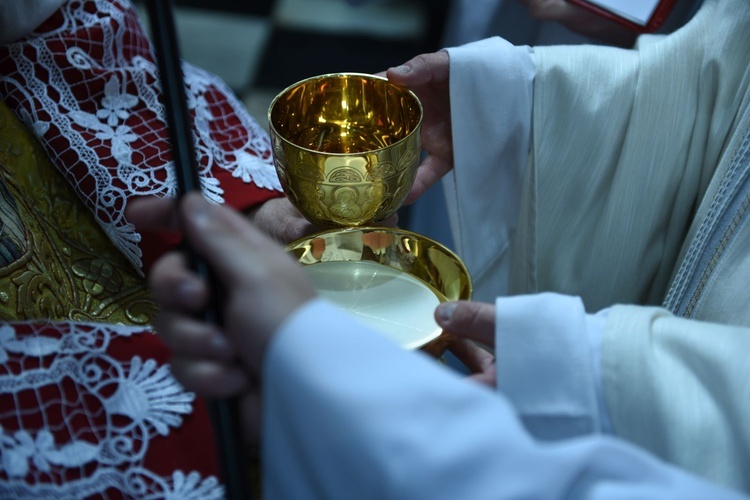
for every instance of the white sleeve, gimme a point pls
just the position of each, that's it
(349, 414)
(548, 364)
(667, 377)
(19, 17)
(491, 103)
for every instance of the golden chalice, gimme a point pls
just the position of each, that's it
(346, 149)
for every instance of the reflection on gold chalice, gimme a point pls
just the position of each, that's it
(390, 278)
(346, 147)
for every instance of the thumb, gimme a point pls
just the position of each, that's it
(421, 70)
(470, 320)
(232, 246)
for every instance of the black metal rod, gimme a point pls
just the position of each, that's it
(224, 413)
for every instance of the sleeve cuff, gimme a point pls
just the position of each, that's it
(547, 360)
(491, 102)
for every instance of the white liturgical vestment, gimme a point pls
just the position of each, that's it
(632, 195)
(349, 414)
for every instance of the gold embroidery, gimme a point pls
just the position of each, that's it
(64, 267)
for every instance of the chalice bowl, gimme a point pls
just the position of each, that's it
(346, 147)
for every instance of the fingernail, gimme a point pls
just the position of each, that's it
(199, 213)
(444, 312)
(402, 70)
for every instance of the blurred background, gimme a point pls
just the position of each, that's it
(259, 47)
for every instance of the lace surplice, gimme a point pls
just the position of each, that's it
(88, 405)
(86, 84)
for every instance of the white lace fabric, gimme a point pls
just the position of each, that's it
(86, 84)
(87, 417)
(81, 415)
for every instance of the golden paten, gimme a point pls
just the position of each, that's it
(415, 255)
(346, 147)
(56, 263)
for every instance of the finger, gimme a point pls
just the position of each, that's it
(251, 421)
(560, 11)
(191, 338)
(281, 220)
(421, 70)
(429, 172)
(151, 213)
(258, 276)
(176, 287)
(391, 221)
(474, 357)
(470, 320)
(487, 377)
(209, 379)
(237, 251)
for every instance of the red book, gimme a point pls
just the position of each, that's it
(642, 16)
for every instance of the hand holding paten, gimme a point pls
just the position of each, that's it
(262, 288)
(470, 322)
